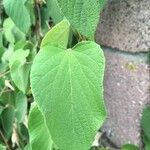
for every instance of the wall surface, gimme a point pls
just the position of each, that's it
(124, 33)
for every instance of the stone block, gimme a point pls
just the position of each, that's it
(127, 91)
(125, 25)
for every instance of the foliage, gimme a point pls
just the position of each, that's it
(57, 68)
(145, 122)
(63, 82)
(74, 79)
(83, 15)
(129, 147)
(18, 12)
(37, 127)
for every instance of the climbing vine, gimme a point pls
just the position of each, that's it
(51, 76)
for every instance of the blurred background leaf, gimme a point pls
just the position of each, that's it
(18, 12)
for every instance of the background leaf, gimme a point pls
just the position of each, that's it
(7, 28)
(146, 143)
(19, 69)
(69, 84)
(23, 134)
(2, 147)
(39, 134)
(129, 147)
(54, 11)
(30, 4)
(21, 106)
(58, 34)
(145, 122)
(17, 11)
(11, 32)
(6, 121)
(82, 14)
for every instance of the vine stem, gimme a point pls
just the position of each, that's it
(38, 22)
(5, 73)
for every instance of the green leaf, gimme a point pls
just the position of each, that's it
(83, 14)
(7, 28)
(6, 121)
(17, 11)
(7, 98)
(23, 45)
(50, 13)
(145, 126)
(28, 147)
(67, 85)
(54, 10)
(58, 34)
(1, 52)
(145, 122)
(7, 54)
(129, 147)
(102, 149)
(45, 18)
(21, 106)
(30, 4)
(11, 32)
(2, 147)
(146, 143)
(1, 39)
(19, 69)
(19, 55)
(23, 133)
(1, 109)
(38, 131)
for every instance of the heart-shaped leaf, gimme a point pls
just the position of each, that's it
(67, 85)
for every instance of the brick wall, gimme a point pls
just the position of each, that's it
(124, 33)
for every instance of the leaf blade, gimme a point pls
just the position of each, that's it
(83, 15)
(58, 34)
(21, 107)
(63, 75)
(19, 69)
(37, 127)
(17, 11)
(145, 121)
(129, 147)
